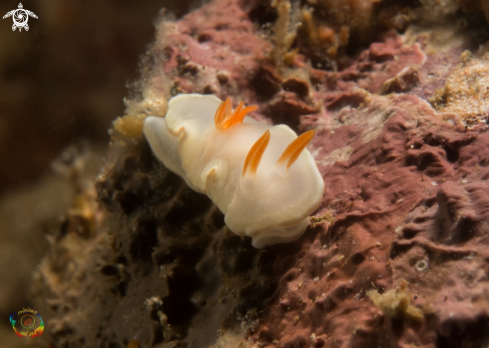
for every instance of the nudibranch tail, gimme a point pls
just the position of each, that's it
(295, 148)
(255, 154)
(225, 117)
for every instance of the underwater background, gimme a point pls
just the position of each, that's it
(114, 250)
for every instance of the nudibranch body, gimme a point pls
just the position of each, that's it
(261, 177)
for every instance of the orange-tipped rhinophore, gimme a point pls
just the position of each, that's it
(295, 148)
(255, 154)
(225, 117)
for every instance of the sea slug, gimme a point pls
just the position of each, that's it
(261, 177)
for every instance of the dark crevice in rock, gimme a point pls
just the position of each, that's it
(177, 306)
(143, 240)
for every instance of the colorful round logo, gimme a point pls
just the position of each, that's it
(27, 323)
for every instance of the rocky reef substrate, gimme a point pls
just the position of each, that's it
(397, 254)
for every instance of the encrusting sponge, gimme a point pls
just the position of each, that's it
(262, 178)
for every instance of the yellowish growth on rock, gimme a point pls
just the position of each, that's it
(150, 94)
(133, 344)
(317, 220)
(290, 56)
(285, 31)
(397, 302)
(300, 74)
(326, 36)
(131, 125)
(310, 27)
(466, 90)
(83, 211)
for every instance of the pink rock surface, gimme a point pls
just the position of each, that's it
(410, 199)
(213, 50)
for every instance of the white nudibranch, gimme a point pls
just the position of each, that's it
(261, 177)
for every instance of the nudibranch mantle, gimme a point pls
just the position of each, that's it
(270, 203)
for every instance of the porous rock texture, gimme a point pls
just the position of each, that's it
(395, 256)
